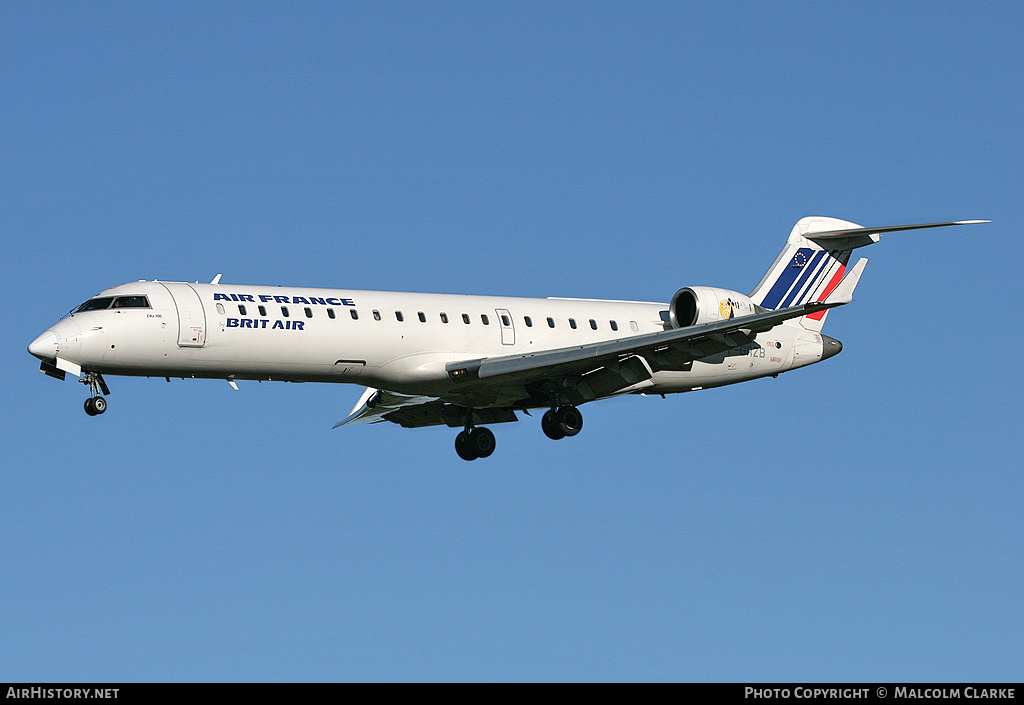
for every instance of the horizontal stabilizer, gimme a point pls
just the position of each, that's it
(852, 238)
(835, 234)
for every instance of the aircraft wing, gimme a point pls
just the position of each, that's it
(377, 405)
(609, 366)
(494, 387)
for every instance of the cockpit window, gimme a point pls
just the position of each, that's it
(104, 302)
(131, 302)
(95, 304)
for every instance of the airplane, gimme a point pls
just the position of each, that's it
(466, 361)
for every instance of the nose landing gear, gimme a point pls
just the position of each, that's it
(95, 404)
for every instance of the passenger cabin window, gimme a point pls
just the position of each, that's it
(633, 326)
(483, 318)
(263, 310)
(551, 322)
(504, 321)
(95, 304)
(593, 324)
(241, 309)
(444, 317)
(220, 308)
(465, 318)
(422, 316)
(572, 323)
(376, 315)
(330, 313)
(614, 325)
(309, 312)
(399, 316)
(355, 314)
(284, 311)
(528, 321)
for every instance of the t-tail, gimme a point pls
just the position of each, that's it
(814, 260)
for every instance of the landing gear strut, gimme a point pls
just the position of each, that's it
(473, 443)
(95, 404)
(561, 422)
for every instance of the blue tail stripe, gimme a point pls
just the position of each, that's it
(786, 278)
(811, 269)
(827, 261)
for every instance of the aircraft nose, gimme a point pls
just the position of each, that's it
(45, 346)
(830, 347)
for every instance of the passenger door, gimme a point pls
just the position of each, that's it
(191, 315)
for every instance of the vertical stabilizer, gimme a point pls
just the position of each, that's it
(806, 271)
(812, 263)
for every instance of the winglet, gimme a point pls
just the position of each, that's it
(843, 294)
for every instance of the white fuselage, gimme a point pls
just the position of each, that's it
(386, 340)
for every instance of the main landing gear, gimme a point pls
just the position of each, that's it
(478, 442)
(473, 442)
(95, 404)
(561, 422)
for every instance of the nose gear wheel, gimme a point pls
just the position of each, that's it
(95, 404)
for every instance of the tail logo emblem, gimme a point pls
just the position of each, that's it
(799, 259)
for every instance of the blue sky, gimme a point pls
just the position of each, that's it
(857, 520)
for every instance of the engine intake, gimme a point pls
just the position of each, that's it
(696, 305)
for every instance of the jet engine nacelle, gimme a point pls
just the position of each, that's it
(695, 305)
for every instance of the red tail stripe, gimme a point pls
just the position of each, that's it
(833, 283)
